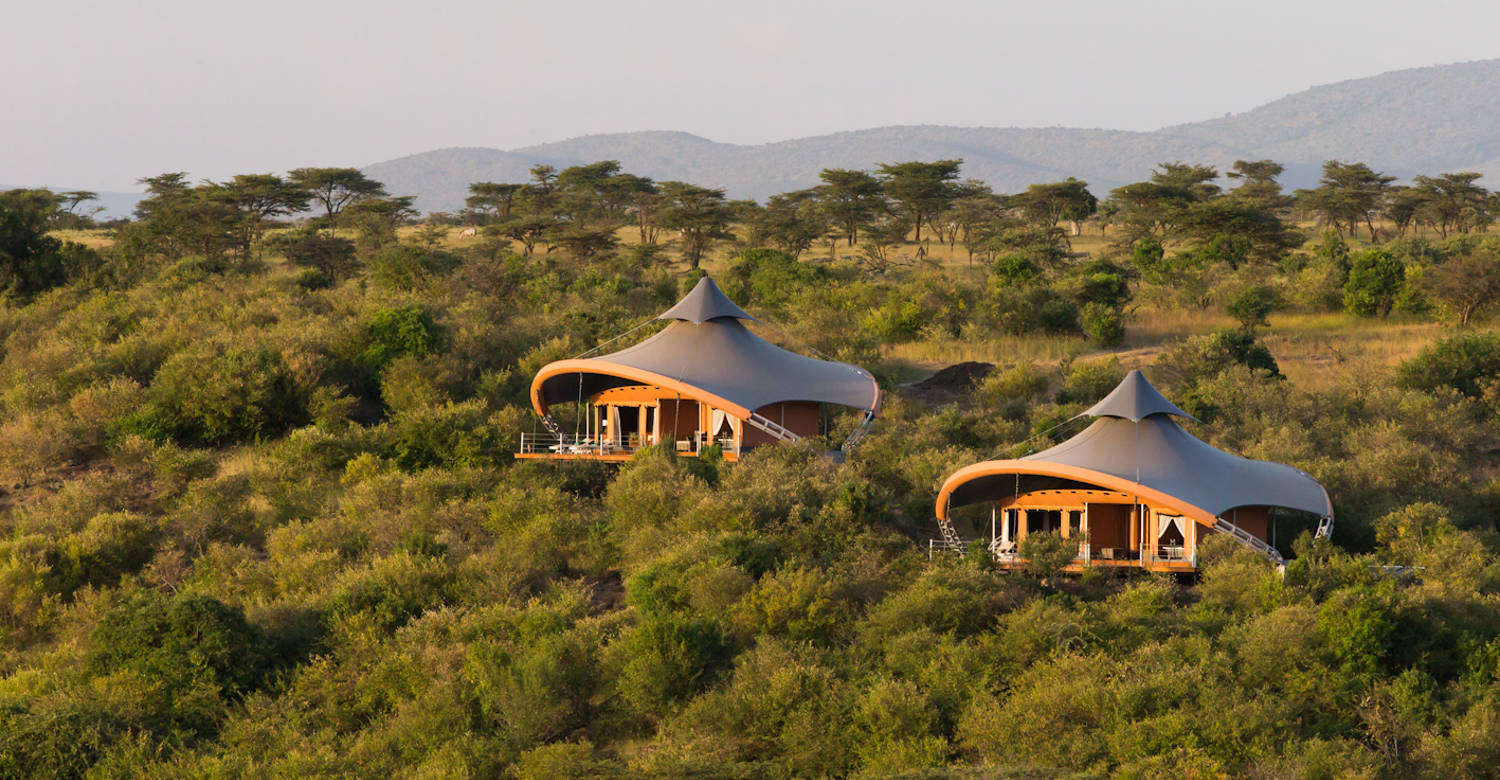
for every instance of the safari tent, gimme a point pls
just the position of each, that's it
(704, 380)
(1133, 488)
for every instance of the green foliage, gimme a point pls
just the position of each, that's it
(406, 267)
(408, 330)
(195, 583)
(671, 658)
(1047, 553)
(1089, 381)
(1375, 280)
(214, 394)
(30, 260)
(393, 591)
(183, 642)
(1104, 324)
(1468, 363)
(1033, 309)
(331, 256)
(1251, 306)
(1099, 282)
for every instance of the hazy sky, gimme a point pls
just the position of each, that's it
(100, 94)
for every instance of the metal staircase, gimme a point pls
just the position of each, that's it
(550, 423)
(1325, 527)
(1249, 540)
(858, 434)
(951, 540)
(771, 427)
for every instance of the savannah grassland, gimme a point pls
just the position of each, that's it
(259, 516)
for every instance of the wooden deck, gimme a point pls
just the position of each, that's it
(610, 456)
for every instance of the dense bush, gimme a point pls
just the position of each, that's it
(1468, 363)
(259, 513)
(183, 642)
(213, 394)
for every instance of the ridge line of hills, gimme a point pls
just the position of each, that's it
(1421, 120)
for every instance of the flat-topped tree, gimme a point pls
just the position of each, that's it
(700, 215)
(262, 196)
(920, 190)
(851, 199)
(336, 188)
(491, 200)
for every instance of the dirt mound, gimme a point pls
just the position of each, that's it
(957, 378)
(951, 383)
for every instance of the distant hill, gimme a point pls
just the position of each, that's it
(1424, 120)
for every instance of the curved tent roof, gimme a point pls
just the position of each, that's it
(1135, 445)
(709, 355)
(1134, 399)
(704, 303)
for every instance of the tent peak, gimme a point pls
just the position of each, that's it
(705, 302)
(1134, 399)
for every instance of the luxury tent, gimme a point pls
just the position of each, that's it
(704, 380)
(1134, 488)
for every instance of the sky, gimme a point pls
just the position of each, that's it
(100, 94)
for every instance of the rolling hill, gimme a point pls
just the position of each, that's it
(1422, 120)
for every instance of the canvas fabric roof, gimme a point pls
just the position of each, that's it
(1134, 399)
(1152, 451)
(712, 356)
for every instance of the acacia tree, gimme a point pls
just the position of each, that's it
(1346, 195)
(376, 219)
(176, 218)
(920, 190)
(491, 200)
(336, 188)
(1452, 201)
(30, 260)
(259, 197)
(791, 222)
(699, 214)
(1467, 284)
(1046, 204)
(1157, 207)
(851, 200)
(1258, 183)
(977, 217)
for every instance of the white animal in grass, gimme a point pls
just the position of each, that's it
(468, 233)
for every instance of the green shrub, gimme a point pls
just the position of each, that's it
(1088, 381)
(56, 740)
(670, 658)
(1104, 324)
(1252, 305)
(331, 257)
(215, 394)
(1375, 280)
(1047, 553)
(407, 267)
(461, 435)
(1467, 362)
(182, 641)
(113, 545)
(408, 330)
(396, 589)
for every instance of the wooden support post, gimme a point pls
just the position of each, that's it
(1088, 546)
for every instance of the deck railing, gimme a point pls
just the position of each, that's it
(570, 446)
